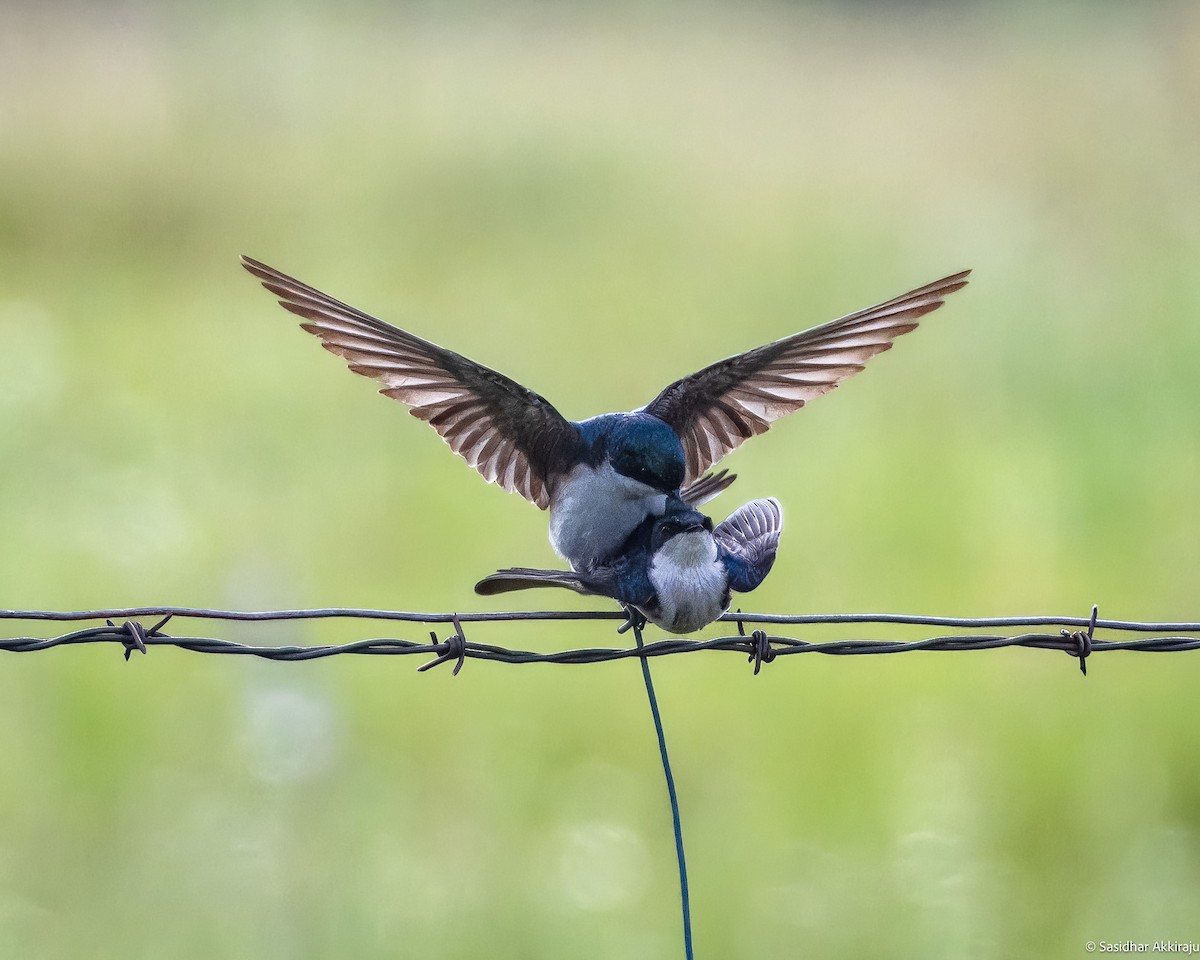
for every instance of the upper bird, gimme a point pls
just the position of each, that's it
(601, 477)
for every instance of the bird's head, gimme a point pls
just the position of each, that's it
(647, 450)
(677, 523)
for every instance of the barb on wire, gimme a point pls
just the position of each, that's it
(761, 652)
(1083, 640)
(456, 649)
(1073, 635)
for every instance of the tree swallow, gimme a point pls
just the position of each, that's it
(676, 570)
(601, 478)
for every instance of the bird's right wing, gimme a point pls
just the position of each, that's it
(718, 408)
(749, 538)
(511, 435)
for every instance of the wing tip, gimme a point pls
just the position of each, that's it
(777, 510)
(770, 512)
(257, 267)
(952, 283)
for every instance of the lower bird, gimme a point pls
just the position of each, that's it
(676, 570)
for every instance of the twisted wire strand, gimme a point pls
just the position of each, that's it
(1075, 635)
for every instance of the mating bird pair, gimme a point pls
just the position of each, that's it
(621, 488)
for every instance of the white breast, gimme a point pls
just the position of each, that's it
(595, 509)
(690, 582)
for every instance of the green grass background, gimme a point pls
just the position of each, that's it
(597, 200)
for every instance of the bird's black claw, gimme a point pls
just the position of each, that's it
(634, 620)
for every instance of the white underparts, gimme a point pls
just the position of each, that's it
(690, 582)
(595, 509)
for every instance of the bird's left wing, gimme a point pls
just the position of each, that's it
(511, 435)
(718, 408)
(749, 537)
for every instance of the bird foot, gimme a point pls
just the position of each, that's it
(634, 620)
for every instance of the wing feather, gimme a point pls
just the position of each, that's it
(750, 537)
(707, 487)
(758, 387)
(511, 435)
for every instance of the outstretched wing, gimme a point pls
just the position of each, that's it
(748, 539)
(718, 408)
(511, 435)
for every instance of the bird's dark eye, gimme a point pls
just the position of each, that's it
(708, 524)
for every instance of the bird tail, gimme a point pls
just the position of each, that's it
(707, 487)
(528, 578)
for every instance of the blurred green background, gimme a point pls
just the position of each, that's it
(597, 200)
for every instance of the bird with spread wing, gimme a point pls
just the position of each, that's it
(602, 477)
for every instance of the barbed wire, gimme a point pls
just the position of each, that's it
(1074, 635)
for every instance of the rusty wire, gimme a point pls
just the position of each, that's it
(1073, 635)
